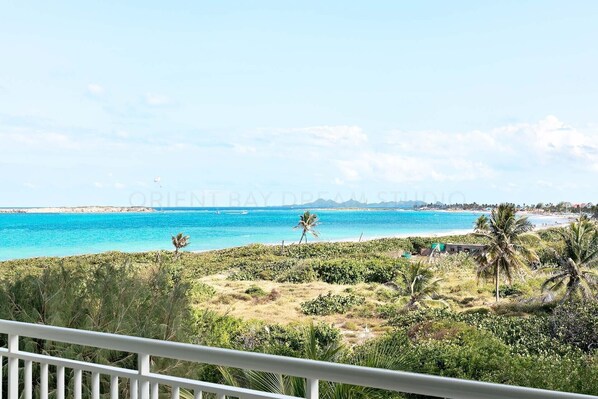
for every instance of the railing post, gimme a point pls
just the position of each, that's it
(312, 389)
(1, 378)
(78, 384)
(43, 381)
(143, 367)
(59, 382)
(13, 367)
(28, 375)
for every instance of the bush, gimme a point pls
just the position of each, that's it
(302, 273)
(576, 324)
(524, 336)
(378, 272)
(255, 291)
(507, 290)
(341, 271)
(261, 270)
(288, 340)
(453, 262)
(329, 304)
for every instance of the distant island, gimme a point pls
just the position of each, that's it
(80, 209)
(323, 203)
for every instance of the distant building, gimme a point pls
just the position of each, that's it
(450, 248)
(467, 248)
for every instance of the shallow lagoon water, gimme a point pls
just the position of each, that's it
(33, 235)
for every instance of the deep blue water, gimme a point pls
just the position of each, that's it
(32, 235)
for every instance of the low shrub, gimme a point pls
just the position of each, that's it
(255, 291)
(288, 340)
(341, 271)
(329, 304)
(507, 290)
(576, 323)
(302, 273)
(383, 272)
(525, 336)
(452, 262)
(201, 292)
(261, 270)
(420, 243)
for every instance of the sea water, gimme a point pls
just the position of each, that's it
(33, 235)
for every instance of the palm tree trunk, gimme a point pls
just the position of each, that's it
(497, 282)
(302, 235)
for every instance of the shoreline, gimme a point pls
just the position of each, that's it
(460, 232)
(542, 222)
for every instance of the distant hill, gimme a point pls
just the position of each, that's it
(322, 203)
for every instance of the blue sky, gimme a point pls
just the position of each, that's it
(262, 103)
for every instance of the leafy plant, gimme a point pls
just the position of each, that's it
(510, 245)
(507, 290)
(255, 291)
(179, 241)
(307, 223)
(575, 271)
(419, 284)
(576, 324)
(329, 304)
(302, 273)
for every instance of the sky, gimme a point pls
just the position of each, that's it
(274, 102)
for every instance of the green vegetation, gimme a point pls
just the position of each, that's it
(359, 303)
(179, 241)
(307, 223)
(329, 304)
(481, 224)
(510, 244)
(419, 284)
(255, 291)
(575, 269)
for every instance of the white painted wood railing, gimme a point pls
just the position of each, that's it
(143, 384)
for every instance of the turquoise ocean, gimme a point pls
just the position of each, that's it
(34, 235)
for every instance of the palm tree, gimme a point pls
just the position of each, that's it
(481, 224)
(419, 283)
(284, 384)
(510, 245)
(307, 222)
(387, 353)
(574, 269)
(179, 241)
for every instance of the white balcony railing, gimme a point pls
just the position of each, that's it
(144, 384)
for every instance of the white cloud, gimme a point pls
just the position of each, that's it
(314, 136)
(334, 135)
(244, 149)
(41, 139)
(469, 155)
(157, 100)
(541, 157)
(95, 89)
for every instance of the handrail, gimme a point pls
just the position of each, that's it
(399, 381)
